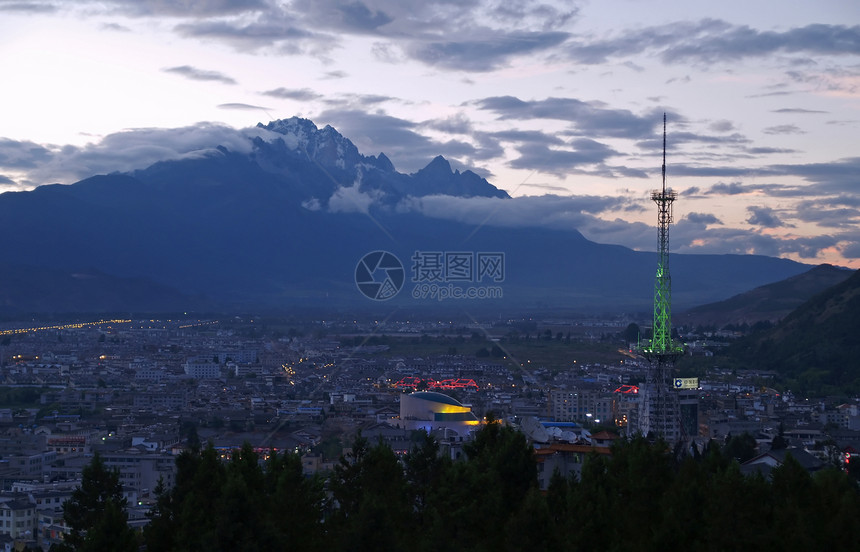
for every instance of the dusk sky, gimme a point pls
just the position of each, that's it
(559, 103)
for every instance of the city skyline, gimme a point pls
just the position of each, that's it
(558, 103)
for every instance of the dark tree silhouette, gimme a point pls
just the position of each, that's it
(95, 513)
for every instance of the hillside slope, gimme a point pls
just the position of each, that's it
(817, 345)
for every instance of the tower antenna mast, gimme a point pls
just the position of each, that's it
(664, 152)
(661, 340)
(658, 404)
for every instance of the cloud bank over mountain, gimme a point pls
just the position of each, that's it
(280, 221)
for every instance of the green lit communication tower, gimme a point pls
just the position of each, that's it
(659, 413)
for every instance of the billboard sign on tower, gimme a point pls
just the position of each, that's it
(686, 383)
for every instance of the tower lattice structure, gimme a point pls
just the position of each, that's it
(659, 412)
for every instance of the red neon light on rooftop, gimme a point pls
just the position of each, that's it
(451, 383)
(409, 381)
(458, 383)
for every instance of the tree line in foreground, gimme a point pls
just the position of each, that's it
(638, 498)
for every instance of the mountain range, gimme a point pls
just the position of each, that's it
(283, 223)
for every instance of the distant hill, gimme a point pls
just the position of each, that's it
(283, 221)
(27, 289)
(817, 345)
(770, 303)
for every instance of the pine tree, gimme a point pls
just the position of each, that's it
(295, 505)
(372, 510)
(96, 514)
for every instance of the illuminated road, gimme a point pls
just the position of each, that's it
(76, 325)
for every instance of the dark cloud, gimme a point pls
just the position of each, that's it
(335, 74)
(739, 42)
(702, 218)
(659, 38)
(359, 17)
(842, 122)
(356, 15)
(561, 161)
(797, 110)
(368, 99)
(116, 27)
(850, 248)
(627, 172)
(769, 151)
(810, 247)
(427, 20)
(802, 62)
(194, 73)
(722, 126)
(27, 7)
(587, 118)
(692, 238)
(781, 191)
(518, 11)
(683, 80)
(488, 146)
(710, 41)
(483, 54)
(783, 129)
(365, 100)
(722, 188)
(193, 8)
(547, 188)
(735, 188)
(842, 200)
(276, 32)
(300, 94)
(242, 107)
(764, 216)
(6, 181)
(455, 124)
(23, 155)
(770, 94)
(828, 213)
(635, 208)
(834, 178)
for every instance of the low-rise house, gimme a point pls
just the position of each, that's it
(565, 458)
(772, 459)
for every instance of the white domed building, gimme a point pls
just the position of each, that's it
(429, 410)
